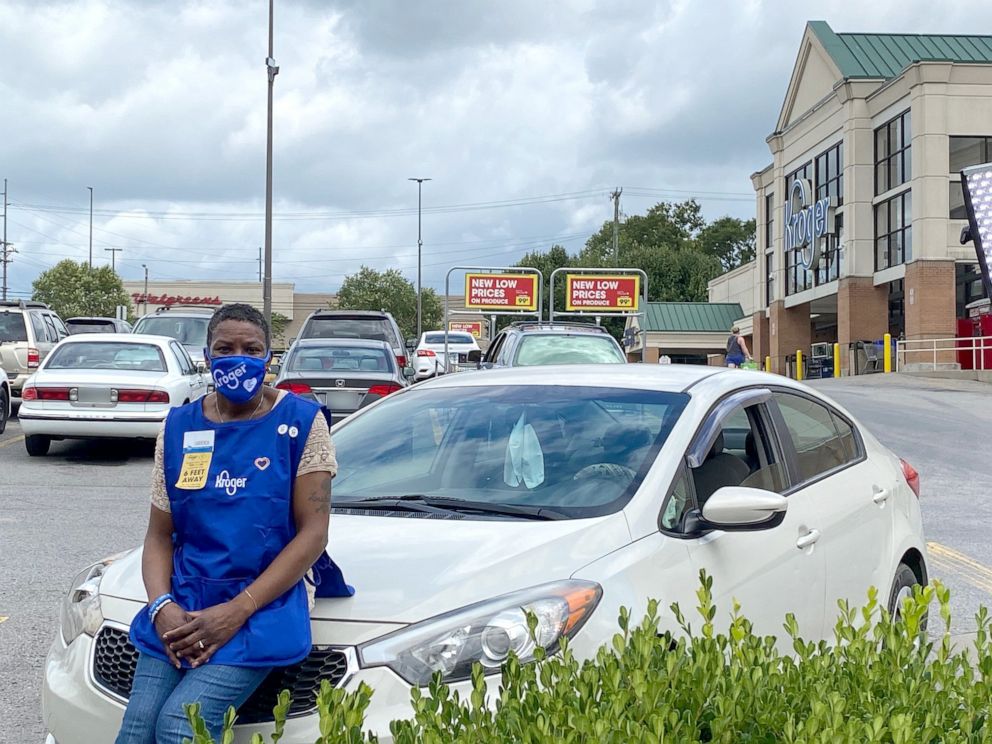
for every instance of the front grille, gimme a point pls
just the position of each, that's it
(115, 659)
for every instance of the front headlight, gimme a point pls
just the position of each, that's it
(81, 606)
(485, 632)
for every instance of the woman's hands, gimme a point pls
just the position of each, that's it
(169, 618)
(206, 631)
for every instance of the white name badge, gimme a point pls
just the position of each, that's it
(198, 441)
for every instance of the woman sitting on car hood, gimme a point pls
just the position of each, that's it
(240, 508)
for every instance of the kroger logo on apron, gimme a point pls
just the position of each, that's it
(229, 484)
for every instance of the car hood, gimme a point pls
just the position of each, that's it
(408, 569)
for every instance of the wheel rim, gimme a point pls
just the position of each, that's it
(904, 593)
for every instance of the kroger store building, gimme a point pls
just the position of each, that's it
(860, 211)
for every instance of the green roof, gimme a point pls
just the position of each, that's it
(691, 317)
(887, 55)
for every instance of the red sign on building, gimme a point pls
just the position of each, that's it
(602, 292)
(167, 300)
(501, 292)
(471, 326)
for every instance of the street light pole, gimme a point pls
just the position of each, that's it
(271, 70)
(146, 287)
(91, 225)
(420, 246)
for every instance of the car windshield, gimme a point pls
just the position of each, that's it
(338, 358)
(107, 355)
(90, 326)
(12, 326)
(453, 338)
(190, 332)
(568, 349)
(581, 451)
(376, 329)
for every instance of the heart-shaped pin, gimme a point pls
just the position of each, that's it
(262, 462)
(250, 384)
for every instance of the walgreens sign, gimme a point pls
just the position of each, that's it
(167, 300)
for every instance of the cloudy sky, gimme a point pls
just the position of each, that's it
(526, 113)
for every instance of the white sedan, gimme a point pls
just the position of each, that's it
(107, 385)
(429, 360)
(568, 492)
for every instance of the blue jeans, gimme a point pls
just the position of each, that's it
(155, 712)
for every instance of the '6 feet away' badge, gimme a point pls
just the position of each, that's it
(198, 450)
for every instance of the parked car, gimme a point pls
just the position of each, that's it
(98, 325)
(28, 332)
(430, 359)
(188, 326)
(107, 385)
(343, 375)
(376, 325)
(468, 503)
(6, 406)
(529, 344)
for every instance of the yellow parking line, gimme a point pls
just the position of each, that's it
(3, 617)
(977, 574)
(12, 440)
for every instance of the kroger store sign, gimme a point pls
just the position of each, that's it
(807, 222)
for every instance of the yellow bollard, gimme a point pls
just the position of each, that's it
(887, 353)
(799, 364)
(768, 364)
(836, 360)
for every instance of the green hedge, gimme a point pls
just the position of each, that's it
(881, 680)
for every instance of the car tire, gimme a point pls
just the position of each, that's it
(37, 445)
(902, 587)
(4, 408)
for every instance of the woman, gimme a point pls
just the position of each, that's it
(241, 499)
(737, 352)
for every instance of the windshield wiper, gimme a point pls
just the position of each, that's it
(412, 501)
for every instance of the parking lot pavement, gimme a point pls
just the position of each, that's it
(87, 501)
(941, 427)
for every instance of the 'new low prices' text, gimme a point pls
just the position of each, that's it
(603, 293)
(501, 292)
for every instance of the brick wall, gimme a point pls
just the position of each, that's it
(760, 344)
(862, 313)
(789, 330)
(930, 307)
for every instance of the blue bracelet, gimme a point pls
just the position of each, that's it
(158, 604)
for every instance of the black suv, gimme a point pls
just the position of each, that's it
(376, 325)
(526, 344)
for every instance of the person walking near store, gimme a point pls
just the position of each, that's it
(737, 352)
(241, 501)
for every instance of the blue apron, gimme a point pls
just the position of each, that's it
(230, 530)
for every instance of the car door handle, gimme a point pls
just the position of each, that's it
(808, 539)
(879, 495)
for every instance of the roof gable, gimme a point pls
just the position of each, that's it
(813, 78)
(691, 317)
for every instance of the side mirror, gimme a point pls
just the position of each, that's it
(474, 356)
(275, 369)
(409, 372)
(739, 508)
(411, 343)
(201, 367)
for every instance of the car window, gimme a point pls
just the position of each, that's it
(12, 327)
(567, 349)
(679, 502)
(453, 338)
(376, 329)
(338, 358)
(185, 363)
(53, 335)
(90, 326)
(38, 325)
(742, 455)
(60, 328)
(107, 355)
(190, 332)
(579, 450)
(822, 440)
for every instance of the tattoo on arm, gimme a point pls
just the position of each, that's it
(320, 497)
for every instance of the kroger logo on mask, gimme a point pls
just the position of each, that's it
(230, 379)
(229, 484)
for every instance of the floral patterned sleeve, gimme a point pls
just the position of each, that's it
(160, 497)
(318, 453)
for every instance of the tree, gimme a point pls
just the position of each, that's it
(72, 289)
(389, 290)
(730, 240)
(546, 262)
(665, 224)
(278, 325)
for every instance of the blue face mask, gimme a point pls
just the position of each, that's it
(238, 378)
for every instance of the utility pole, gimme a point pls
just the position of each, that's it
(146, 287)
(271, 70)
(91, 225)
(260, 262)
(5, 249)
(420, 246)
(615, 196)
(113, 256)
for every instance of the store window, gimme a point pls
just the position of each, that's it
(894, 231)
(968, 279)
(769, 248)
(797, 278)
(893, 153)
(897, 308)
(965, 152)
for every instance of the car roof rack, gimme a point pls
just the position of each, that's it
(550, 325)
(23, 304)
(166, 308)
